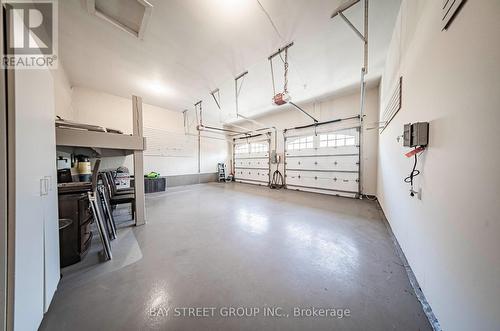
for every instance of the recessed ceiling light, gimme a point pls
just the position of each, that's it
(232, 6)
(156, 87)
(131, 16)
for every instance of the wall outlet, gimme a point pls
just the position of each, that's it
(274, 157)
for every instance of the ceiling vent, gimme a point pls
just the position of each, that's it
(131, 16)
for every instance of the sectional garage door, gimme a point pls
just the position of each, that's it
(251, 161)
(324, 162)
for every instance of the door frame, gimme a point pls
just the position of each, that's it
(7, 186)
(3, 194)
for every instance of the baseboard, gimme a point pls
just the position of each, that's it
(191, 179)
(411, 276)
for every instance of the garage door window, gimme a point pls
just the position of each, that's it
(336, 140)
(259, 147)
(301, 143)
(241, 149)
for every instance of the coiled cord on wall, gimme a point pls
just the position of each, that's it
(278, 181)
(414, 173)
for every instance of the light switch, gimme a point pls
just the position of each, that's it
(49, 183)
(43, 187)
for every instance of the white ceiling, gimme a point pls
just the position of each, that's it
(193, 46)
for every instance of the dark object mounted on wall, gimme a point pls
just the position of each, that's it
(416, 134)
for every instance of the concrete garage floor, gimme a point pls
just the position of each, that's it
(236, 245)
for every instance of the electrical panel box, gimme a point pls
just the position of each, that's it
(416, 134)
(274, 157)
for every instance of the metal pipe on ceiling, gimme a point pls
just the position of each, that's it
(201, 127)
(322, 123)
(237, 126)
(252, 136)
(260, 123)
(258, 130)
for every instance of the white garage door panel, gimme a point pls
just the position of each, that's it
(252, 175)
(326, 162)
(338, 181)
(343, 150)
(250, 155)
(251, 162)
(337, 163)
(330, 192)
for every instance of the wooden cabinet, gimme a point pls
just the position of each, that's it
(76, 239)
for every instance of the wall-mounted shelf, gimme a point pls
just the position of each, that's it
(99, 140)
(113, 144)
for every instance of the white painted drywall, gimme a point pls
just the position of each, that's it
(63, 94)
(36, 231)
(192, 47)
(344, 105)
(452, 80)
(98, 108)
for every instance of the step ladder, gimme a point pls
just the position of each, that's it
(221, 170)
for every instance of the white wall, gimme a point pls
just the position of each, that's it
(451, 236)
(63, 94)
(98, 108)
(340, 106)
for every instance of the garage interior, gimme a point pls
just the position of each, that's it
(250, 165)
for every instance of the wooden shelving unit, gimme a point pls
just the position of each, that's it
(114, 144)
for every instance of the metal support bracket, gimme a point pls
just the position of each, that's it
(360, 35)
(280, 50)
(200, 118)
(216, 99)
(363, 36)
(237, 89)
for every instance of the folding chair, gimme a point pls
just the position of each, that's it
(115, 200)
(114, 190)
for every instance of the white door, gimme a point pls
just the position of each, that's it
(36, 232)
(251, 161)
(325, 162)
